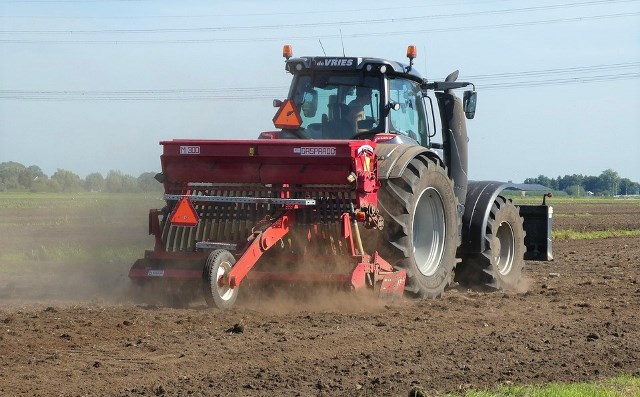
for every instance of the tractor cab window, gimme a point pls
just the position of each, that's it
(338, 106)
(410, 118)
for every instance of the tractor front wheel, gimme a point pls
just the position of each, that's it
(216, 288)
(420, 226)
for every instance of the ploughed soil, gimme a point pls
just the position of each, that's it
(70, 329)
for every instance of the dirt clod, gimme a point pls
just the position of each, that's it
(417, 392)
(593, 336)
(237, 328)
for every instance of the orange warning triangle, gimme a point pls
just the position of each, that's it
(184, 214)
(287, 116)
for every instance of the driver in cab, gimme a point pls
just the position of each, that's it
(357, 106)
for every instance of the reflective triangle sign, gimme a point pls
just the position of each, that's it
(184, 214)
(287, 116)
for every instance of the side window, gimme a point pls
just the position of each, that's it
(410, 119)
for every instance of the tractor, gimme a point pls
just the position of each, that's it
(352, 190)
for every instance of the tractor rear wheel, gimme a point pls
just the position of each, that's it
(420, 226)
(500, 265)
(216, 288)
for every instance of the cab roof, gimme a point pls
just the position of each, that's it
(324, 63)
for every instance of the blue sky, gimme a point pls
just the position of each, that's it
(95, 85)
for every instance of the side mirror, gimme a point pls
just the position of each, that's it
(277, 103)
(309, 103)
(469, 103)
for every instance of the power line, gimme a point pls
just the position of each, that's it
(328, 36)
(555, 72)
(556, 82)
(243, 14)
(269, 92)
(317, 24)
(71, 1)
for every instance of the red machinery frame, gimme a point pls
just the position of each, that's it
(187, 164)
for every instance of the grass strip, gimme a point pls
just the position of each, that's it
(574, 200)
(26, 200)
(621, 386)
(66, 253)
(570, 234)
(572, 215)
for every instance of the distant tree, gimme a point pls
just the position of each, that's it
(629, 187)
(53, 186)
(148, 183)
(68, 181)
(10, 175)
(130, 183)
(41, 185)
(36, 171)
(29, 175)
(541, 180)
(117, 182)
(94, 182)
(609, 181)
(575, 190)
(569, 180)
(592, 184)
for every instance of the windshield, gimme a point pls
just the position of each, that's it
(338, 106)
(409, 119)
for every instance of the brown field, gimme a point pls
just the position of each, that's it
(67, 327)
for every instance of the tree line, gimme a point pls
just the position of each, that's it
(18, 177)
(608, 183)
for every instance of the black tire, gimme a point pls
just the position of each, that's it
(420, 234)
(501, 265)
(218, 265)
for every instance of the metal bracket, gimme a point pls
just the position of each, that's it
(243, 200)
(206, 245)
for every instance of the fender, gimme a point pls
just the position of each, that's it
(537, 219)
(394, 158)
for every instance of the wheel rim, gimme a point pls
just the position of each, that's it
(504, 247)
(222, 285)
(429, 231)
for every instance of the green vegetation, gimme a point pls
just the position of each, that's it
(79, 200)
(49, 229)
(72, 253)
(530, 199)
(574, 215)
(17, 177)
(622, 386)
(608, 183)
(571, 234)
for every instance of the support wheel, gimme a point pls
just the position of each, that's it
(216, 288)
(421, 226)
(500, 266)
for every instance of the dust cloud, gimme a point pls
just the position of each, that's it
(63, 250)
(282, 300)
